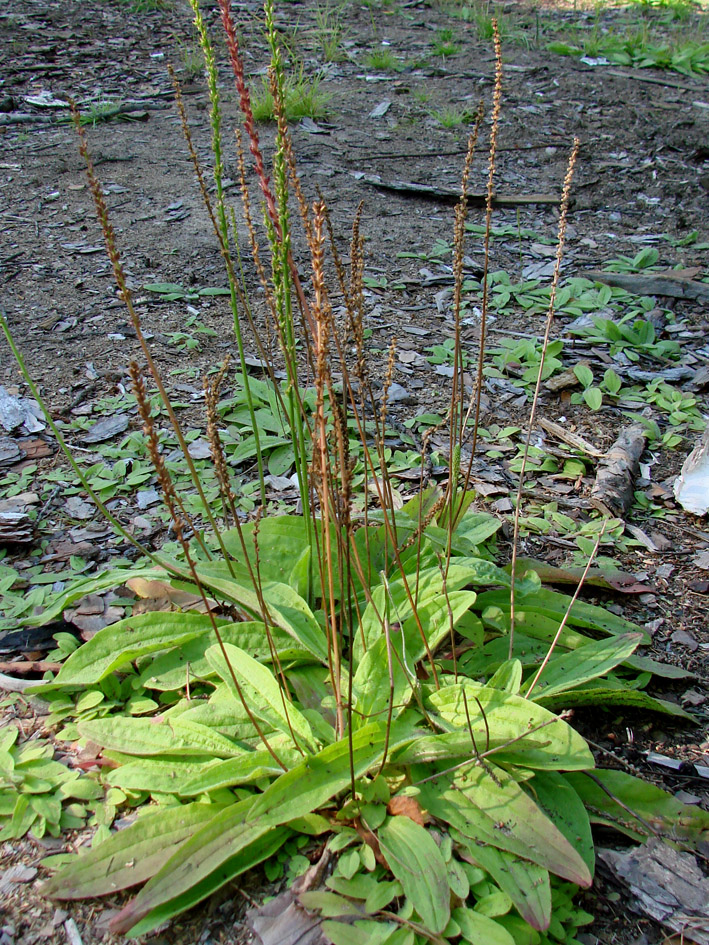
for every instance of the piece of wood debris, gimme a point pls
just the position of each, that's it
(666, 885)
(670, 284)
(700, 379)
(11, 684)
(653, 79)
(566, 379)
(449, 195)
(25, 667)
(612, 492)
(284, 920)
(571, 439)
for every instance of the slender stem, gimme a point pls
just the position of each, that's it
(565, 197)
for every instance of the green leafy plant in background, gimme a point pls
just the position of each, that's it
(452, 116)
(362, 672)
(633, 336)
(303, 97)
(330, 29)
(38, 793)
(688, 57)
(383, 59)
(444, 45)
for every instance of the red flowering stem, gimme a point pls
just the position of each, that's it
(237, 65)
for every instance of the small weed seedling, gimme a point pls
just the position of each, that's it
(303, 97)
(453, 116)
(330, 29)
(444, 45)
(382, 59)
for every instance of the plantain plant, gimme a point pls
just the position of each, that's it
(359, 672)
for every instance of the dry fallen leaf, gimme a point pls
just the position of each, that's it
(406, 807)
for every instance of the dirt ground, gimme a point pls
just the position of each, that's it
(643, 171)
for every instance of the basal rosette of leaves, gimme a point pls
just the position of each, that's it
(472, 803)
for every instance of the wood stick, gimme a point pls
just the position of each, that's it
(451, 196)
(657, 283)
(612, 492)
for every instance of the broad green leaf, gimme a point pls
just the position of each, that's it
(318, 778)
(502, 718)
(220, 850)
(131, 855)
(158, 736)
(499, 795)
(129, 639)
(373, 685)
(23, 816)
(220, 712)
(249, 768)
(527, 884)
(164, 774)
(507, 678)
(584, 374)
(608, 692)
(568, 670)
(415, 860)
(553, 604)
(494, 904)
(472, 530)
(593, 397)
(665, 670)
(261, 691)
(450, 745)
(532, 625)
(392, 602)
(214, 290)
(364, 932)
(487, 659)
(285, 606)
(562, 805)
(165, 288)
(169, 670)
(329, 904)
(478, 929)
(284, 546)
(664, 813)
(8, 737)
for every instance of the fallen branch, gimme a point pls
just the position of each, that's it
(571, 439)
(612, 491)
(450, 196)
(670, 284)
(29, 666)
(654, 80)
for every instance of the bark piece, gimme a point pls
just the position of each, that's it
(450, 196)
(666, 885)
(571, 439)
(670, 284)
(612, 491)
(566, 379)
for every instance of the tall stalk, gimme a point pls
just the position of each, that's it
(223, 223)
(561, 238)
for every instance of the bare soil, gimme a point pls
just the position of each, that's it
(642, 171)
